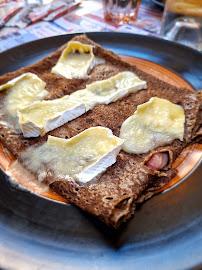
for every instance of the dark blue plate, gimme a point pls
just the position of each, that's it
(160, 3)
(165, 233)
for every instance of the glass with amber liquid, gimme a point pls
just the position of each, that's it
(121, 11)
(182, 22)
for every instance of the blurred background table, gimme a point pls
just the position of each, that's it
(88, 17)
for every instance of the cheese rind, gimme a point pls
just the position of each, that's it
(155, 123)
(42, 117)
(109, 90)
(76, 61)
(23, 91)
(96, 144)
(81, 158)
(99, 167)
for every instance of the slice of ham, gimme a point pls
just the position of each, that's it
(158, 161)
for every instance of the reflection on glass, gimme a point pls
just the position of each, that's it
(182, 22)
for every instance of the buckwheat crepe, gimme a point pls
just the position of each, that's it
(115, 194)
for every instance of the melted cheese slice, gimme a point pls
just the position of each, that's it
(81, 158)
(76, 61)
(110, 90)
(44, 116)
(155, 123)
(23, 91)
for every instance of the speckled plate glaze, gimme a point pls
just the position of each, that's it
(165, 233)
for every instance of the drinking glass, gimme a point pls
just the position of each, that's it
(121, 11)
(182, 22)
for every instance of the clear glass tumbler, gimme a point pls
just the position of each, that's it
(182, 22)
(121, 11)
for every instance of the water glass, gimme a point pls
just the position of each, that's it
(182, 22)
(121, 11)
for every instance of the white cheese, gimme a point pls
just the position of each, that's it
(86, 97)
(99, 61)
(155, 123)
(109, 90)
(23, 91)
(81, 158)
(76, 61)
(41, 117)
